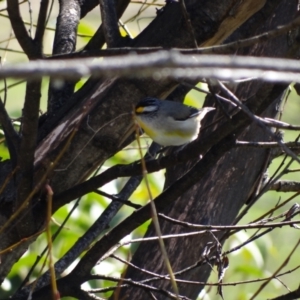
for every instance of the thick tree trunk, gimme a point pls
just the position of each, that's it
(217, 198)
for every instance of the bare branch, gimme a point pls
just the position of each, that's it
(162, 65)
(98, 40)
(67, 22)
(64, 42)
(279, 124)
(112, 34)
(27, 147)
(260, 121)
(214, 228)
(165, 293)
(158, 277)
(41, 24)
(285, 186)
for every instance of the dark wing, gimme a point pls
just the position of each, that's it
(185, 112)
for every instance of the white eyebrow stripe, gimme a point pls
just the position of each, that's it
(150, 108)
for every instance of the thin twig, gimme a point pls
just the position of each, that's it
(136, 284)
(102, 290)
(260, 121)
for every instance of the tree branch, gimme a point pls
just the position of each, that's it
(64, 42)
(26, 152)
(109, 18)
(41, 24)
(98, 39)
(285, 186)
(154, 64)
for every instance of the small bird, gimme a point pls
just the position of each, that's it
(169, 123)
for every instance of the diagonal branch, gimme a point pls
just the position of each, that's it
(93, 232)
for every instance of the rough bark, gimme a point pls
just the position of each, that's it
(217, 198)
(64, 42)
